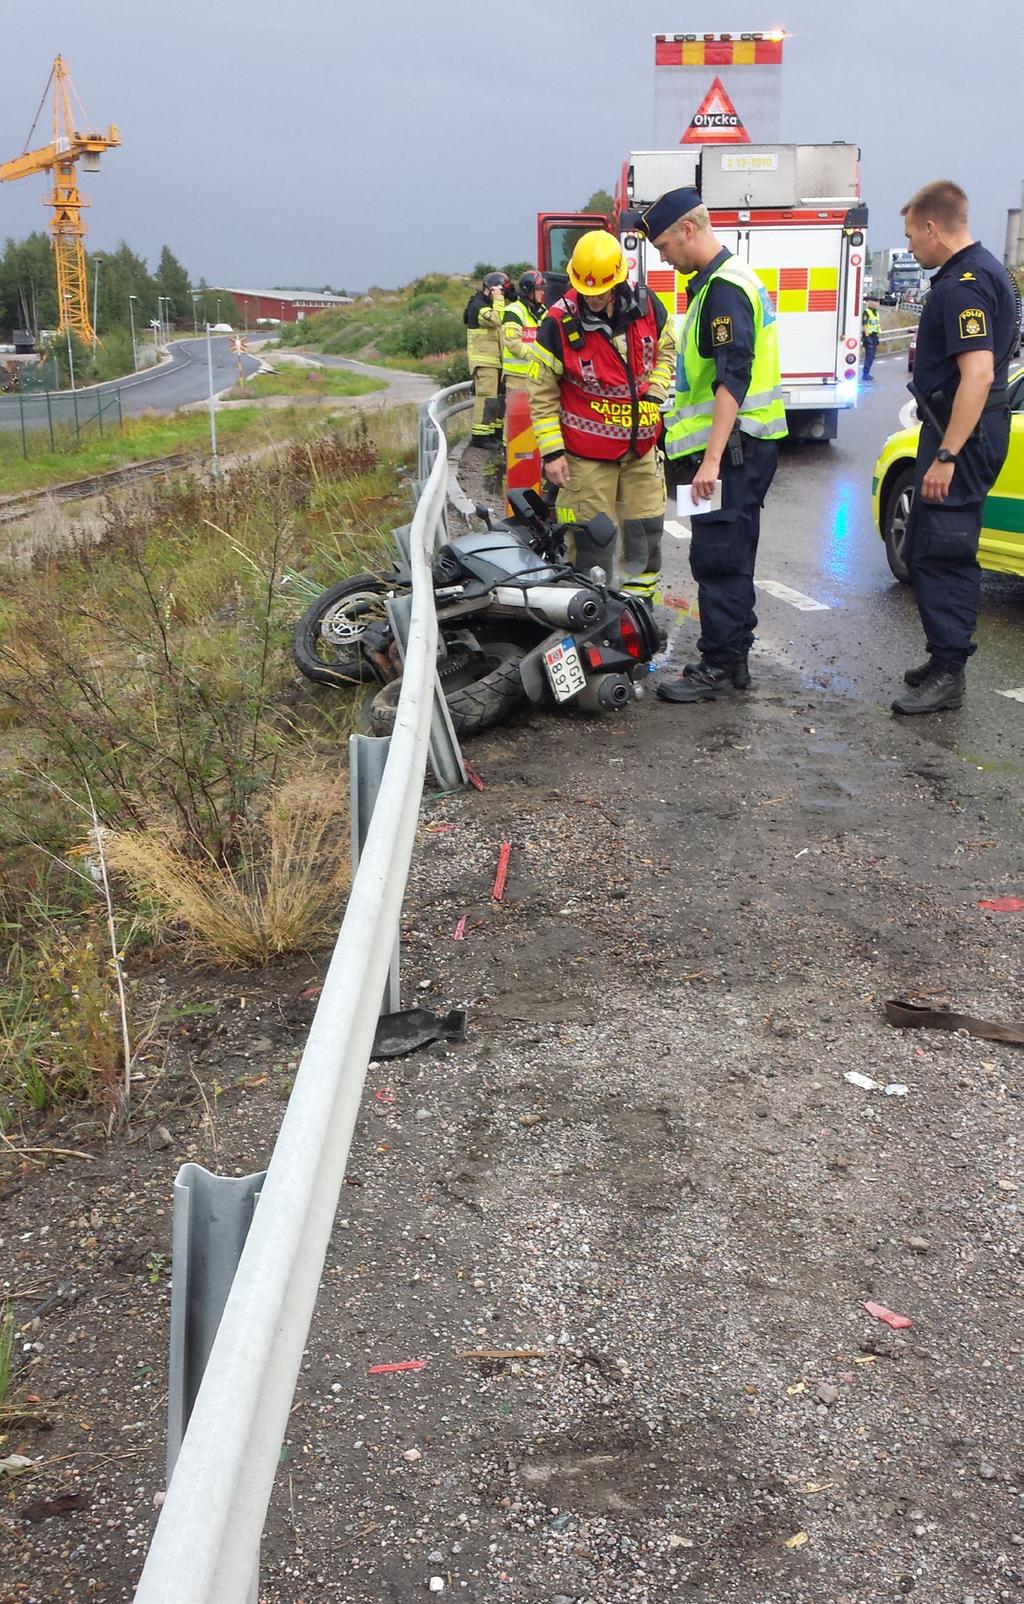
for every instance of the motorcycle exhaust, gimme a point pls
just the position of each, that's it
(606, 693)
(556, 604)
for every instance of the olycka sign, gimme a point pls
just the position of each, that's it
(716, 121)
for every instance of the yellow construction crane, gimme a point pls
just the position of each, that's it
(67, 230)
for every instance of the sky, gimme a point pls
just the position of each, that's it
(307, 142)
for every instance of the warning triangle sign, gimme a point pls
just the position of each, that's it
(715, 122)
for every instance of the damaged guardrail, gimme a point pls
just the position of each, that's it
(205, 1548)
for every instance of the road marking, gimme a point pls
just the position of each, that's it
(795, 598)
(680, 531)
(1015, 696)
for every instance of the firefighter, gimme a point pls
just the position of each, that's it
(602, 365)
(519, 331)
(725, 423)
(483, 317)
(967, 334)
(870, 331)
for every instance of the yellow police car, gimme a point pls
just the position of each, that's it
(1002, 534)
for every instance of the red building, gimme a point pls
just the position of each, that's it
(283, 306)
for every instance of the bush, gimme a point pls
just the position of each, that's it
(482, 269)
(421, 334)
(454, 372)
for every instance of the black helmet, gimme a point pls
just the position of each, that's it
(532, 279)
(494, 281)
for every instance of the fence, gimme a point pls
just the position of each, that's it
(206, 1545)
(60, 420)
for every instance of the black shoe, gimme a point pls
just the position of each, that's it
(486, 442)
(699, 682)
(740, 672)
(943, 688)
(917, 676)
(869, 378)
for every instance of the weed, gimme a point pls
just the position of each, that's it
(156, 1268)
(6, 1352)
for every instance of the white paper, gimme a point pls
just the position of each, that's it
(686, 506)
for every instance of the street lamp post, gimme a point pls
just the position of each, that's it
(67, 330)
(214, 467)
(131, 319)
(95, 301)
(195, 325)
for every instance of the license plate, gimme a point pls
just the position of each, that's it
(565, 671)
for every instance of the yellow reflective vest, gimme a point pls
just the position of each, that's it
(483, 332)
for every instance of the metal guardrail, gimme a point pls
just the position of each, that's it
(206, 1544)
(903, 333)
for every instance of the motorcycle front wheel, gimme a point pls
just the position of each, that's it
(326, 646)
(483, 692)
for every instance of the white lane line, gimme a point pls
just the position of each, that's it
(680, 531)
(795, 598)
(1015, 696)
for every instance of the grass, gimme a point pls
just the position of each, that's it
(294, 380)
(141, 439)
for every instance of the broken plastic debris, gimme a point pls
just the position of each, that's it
(1003, 904)
(865, 1082)
(797, 1540)
(473, 778)
(401, 1033)
(459, 933)
(899, 1322)
(896, 1088)
(403, 1364)
(498, 889)
(918, 1016)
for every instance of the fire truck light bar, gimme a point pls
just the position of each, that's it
(775, 36)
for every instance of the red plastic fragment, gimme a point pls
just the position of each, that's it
(498, 889)
(1003, 904)
(406, 1364)
(459, 933)
(473, 777)
(899, 1322)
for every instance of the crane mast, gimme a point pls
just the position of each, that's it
(67, 230)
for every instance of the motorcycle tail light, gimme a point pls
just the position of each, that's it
(630, 635)
(593, 656)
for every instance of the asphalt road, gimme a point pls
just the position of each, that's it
(818, 539)
(177, 383)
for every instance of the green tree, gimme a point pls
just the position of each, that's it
(600, 201)
(28, 285)
(482, 269)
(513, 269)
(173, 282)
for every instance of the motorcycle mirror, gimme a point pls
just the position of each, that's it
(601, 529)
(484, 513)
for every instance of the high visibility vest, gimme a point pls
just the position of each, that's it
(604, 410)
(869, 322)
(482, 318)
(522, 321)
(763, 413)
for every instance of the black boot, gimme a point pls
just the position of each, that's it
(942, 688)
(917, 676)
(699, 682)
(740, 671)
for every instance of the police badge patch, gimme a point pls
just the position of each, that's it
(721, 330)
(972, 323)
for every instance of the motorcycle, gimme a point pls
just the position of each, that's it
(515, 623)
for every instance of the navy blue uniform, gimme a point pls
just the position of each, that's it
(726, 598)
(970, 307)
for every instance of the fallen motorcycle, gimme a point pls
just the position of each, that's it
(515, 623)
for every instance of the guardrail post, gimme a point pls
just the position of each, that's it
(367, 755)
(445, 752)
(212, 1215)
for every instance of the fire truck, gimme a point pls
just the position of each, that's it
(794, 212)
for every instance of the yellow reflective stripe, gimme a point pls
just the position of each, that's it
(564, 515)
(548, 359)
(548, 434)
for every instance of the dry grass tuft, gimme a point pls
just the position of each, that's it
(281, 896)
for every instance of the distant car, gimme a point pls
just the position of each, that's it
(1002, 536)
(222, 328)
(912, 352)
(887, 298)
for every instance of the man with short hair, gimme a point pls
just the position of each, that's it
(725, 423)
(602, 366)
(965, 338)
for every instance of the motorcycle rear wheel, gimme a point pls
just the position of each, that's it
(484, 693)
(326, 643)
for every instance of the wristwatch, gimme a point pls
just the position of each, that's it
(942, 455)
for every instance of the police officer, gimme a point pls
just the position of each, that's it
(602, 366)
(483, 318)
(519, 331)
(870, 332)
(725, 422)
(965, 339)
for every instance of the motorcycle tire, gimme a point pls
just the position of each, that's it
(493, 691)
(340, 609)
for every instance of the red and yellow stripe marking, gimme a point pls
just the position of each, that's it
(717, 52)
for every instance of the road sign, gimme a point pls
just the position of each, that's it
(715, 122)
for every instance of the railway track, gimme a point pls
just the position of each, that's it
(21, 506)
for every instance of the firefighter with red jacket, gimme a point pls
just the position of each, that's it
(604, 358)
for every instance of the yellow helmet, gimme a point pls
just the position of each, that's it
(597, 263)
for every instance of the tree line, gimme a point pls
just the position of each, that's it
(28, 290)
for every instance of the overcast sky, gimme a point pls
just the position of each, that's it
(301, 142)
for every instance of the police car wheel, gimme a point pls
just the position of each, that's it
(896, 521)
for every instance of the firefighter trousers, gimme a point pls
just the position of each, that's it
(631, 492)
(486, 384)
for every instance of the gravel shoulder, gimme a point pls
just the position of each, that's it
(643, 1180)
